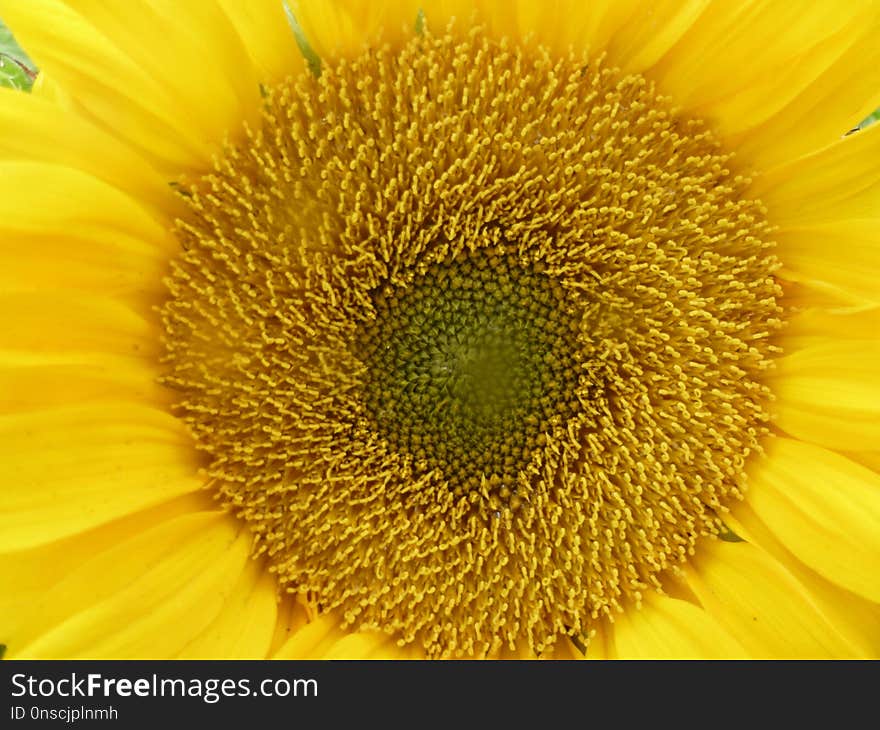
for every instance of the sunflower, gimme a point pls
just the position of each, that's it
(441, 329)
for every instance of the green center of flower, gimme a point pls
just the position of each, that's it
(469, 367)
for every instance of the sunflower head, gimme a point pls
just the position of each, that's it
(471, 330)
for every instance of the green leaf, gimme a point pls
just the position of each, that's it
(9, 47)
(312, 59)
(17, 71)
(875, 117)
(13, 75)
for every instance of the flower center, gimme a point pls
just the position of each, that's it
(468, 368)
(473, 339)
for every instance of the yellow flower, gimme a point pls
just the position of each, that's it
(441, 329)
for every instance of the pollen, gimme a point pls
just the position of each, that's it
(473, 338)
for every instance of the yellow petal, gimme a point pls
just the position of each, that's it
(639, 44)
(324, 638)
(870, 459)
(772, 64)
(313, 640)
(104, 82)
(174, 106)
(246, 622)
(590, 25)
(35, 571)
(837, 183)
(565, 650)
(829, 394)
(853, 617)
(36, 387)
(669, 628)
(841, 90)
(843, 256)
(341, 28)
(267, 36)
(292, 616)
(64, 262)
(36, 129)
(66, 348)
(148, 597)
(559, 25)
(816, 325)
(601, 644)
(66, 470)
(330, 28)
(203, 65)
(761, 604)
(69, 327)
(45, 87)
(735, 36)
(824, 508)
(81, 351)
(366, 645)
(43, 198)
(62, 228)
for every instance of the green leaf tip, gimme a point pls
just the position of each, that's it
(16, 69)
(420, 22)
(869, 120)
(13, 75)
(312, 58)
